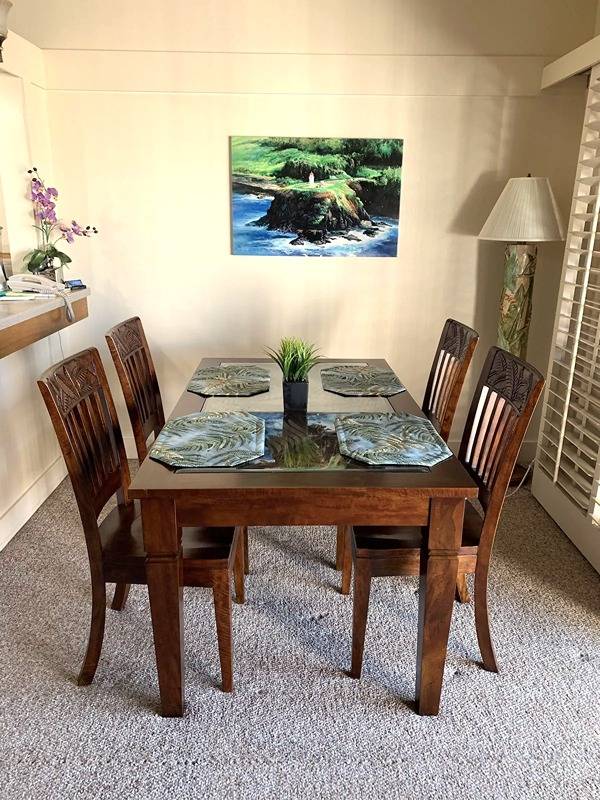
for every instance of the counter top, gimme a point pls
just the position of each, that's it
(23, 322)
(13, 312)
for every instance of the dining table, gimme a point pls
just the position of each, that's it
(252, 495)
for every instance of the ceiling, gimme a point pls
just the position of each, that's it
(491, 27)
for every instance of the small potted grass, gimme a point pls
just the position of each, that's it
(295, 358)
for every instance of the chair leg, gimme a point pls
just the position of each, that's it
(339, 547)
(94, 647)
(362, 589)
(346, 561)
(462, 589)
(239, 564)
(246, 556)
(482, 622)
(222, 600)
(120, 596)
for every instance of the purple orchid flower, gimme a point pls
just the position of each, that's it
(66, 232)
(47, 223)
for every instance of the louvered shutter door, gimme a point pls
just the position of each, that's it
(566, 479)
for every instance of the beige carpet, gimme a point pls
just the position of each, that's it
(296, 726)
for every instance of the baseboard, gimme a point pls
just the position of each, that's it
(22, 509)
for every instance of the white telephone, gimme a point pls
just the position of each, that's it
(28, 282)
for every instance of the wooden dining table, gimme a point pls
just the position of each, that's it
(364, 495)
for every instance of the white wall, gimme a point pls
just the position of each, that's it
(140, 133)
(141, 145)
(30, 462)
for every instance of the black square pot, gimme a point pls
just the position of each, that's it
(295, 397)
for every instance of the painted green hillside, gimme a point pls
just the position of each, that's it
(293, 159)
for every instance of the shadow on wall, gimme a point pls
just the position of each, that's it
(474, 211)
(468, 221)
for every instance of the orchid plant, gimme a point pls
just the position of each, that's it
(51, 229)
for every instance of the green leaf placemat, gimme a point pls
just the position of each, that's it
(356, 380)
(381, 438)
(230, 380)
(211, 439)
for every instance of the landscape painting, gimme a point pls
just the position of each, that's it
(315, 197)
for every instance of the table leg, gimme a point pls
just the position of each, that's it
(162, 541)
(439, 567)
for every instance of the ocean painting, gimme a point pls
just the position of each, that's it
(315, 197)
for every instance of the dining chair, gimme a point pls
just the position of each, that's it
(444, 385)
(504, 400)
(83, 414)
(133, 361)
(447, 375)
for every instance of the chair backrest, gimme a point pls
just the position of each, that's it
(82, 411)
(135, 368)
(504, 401)
(450, 364)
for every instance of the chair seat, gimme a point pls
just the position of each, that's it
(387, 541)
(122, 539)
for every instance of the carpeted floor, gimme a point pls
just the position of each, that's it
(296, 726)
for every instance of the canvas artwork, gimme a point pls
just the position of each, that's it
(315, 197)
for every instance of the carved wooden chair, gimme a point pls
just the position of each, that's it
(133, 361)
(444, 385)
(447, 376)
(82, 411)
(504, 400)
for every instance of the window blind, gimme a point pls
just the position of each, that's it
(569, 442)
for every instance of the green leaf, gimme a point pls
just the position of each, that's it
(34, 261)
(62, 257)
(295, 358)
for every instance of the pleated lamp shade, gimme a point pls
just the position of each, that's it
(526, 211)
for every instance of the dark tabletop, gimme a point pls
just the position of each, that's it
(447, 479)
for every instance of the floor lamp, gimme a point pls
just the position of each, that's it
(524, 214)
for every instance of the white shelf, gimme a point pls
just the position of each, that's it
(23, 322)
(13, 312)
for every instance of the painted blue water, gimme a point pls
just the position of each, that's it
(251, 240)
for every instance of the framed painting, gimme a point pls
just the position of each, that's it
(315, 197)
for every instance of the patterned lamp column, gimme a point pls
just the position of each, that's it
(515, 303)
(525, 213)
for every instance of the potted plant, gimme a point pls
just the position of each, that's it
(51, 229)
(295, 358)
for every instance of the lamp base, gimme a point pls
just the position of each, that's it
(515, 303)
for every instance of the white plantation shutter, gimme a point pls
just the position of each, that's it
(566, 480)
